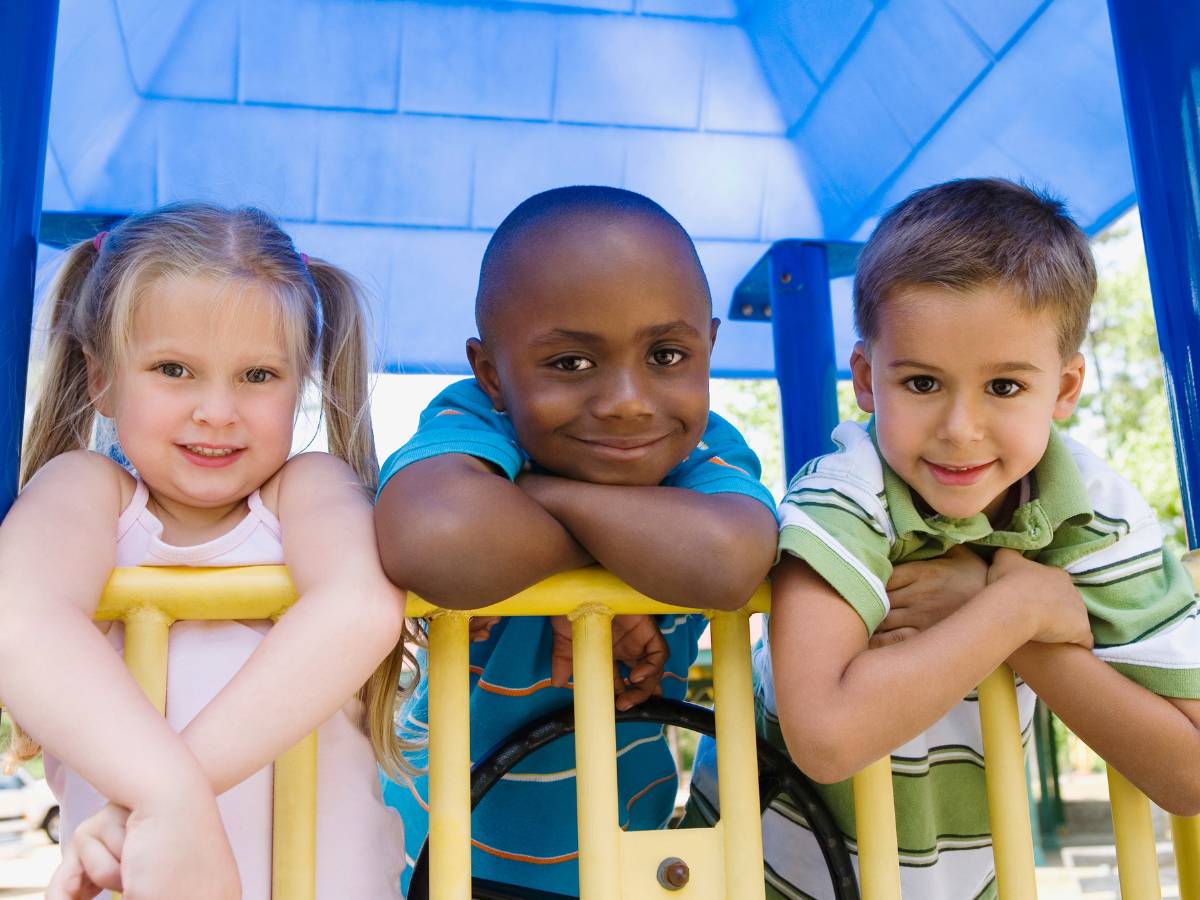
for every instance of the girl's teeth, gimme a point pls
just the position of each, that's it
(208, 451)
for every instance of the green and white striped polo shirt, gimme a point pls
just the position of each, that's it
(852, 519)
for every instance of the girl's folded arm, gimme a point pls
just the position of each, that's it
(59, 676)
(347, 619)
(841, 705)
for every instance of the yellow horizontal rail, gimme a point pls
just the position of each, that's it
(149, 599)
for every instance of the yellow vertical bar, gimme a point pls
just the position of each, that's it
(1137, 857)
(1008, 797)
(146, 634)
(596, 755)
(449, 758)
(294, 823)
(1186, 834)
(875, 826)
(737, 758)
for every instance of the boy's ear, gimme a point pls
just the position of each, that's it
(98, 385)
(860, 372)
(712, 333)
(1070, 384)
(485, 372)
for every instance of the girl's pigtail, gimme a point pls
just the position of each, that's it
(345, 403)
(63, 413)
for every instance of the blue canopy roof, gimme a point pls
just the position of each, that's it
(392, 136)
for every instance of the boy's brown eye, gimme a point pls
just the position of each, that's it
(921, 384)
(572, 363)
(667, 357)
(1003, 387)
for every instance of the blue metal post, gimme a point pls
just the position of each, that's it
(1158, 59)
(26, 62)
(802, 328)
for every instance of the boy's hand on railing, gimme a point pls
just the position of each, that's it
(1057, 610)
(91, 860)
(480, 628)
(923, 593)
(637, 643)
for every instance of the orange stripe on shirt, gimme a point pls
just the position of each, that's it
(721, 462)
(651, 786)
(521, 857)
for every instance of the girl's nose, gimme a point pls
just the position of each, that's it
(215, 407)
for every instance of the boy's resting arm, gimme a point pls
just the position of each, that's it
(707, 551)
(1153, 741)
(462, 536)
(347, 619)
(841, 705)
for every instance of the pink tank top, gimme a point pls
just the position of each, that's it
(360, 841)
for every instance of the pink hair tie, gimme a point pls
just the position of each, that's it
(304, 259)
(98, 240)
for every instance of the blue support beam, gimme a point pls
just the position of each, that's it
(1158, 60)
(801, 315)
(27, 32)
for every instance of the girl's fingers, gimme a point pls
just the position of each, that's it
(102, 867)
(904, 575)
(887, 638)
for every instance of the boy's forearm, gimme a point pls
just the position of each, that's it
(708, 551)
(463, 537)
(842, 706)
(1144, 736)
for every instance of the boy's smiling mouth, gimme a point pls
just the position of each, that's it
(958, 475)
(622, 448)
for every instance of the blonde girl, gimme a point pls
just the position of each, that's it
(193, 329)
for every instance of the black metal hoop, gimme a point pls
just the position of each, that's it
(777, 774)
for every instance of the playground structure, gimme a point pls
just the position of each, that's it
(1158, 64)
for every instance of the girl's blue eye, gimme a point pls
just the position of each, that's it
(922, 384)
(572, 363)
(667, 356)
(258, 376)
(172, 370)
(1004, 387)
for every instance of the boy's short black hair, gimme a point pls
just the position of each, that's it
(554, 206)
(973, 232)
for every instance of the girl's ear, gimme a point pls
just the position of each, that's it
(98, 385)
(484, 368)
(1070, 384)
(860, 370)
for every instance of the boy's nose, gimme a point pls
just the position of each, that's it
(623, 396)
(962, 423)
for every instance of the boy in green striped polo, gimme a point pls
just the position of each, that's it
(971, 299)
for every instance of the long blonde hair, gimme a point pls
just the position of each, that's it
(89, 313)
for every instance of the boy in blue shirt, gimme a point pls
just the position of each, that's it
(585, 437)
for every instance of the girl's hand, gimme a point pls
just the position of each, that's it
(180, 851)
(921, 594)
(1054, 602)
(91, 861)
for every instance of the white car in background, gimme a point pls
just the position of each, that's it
(27, 803)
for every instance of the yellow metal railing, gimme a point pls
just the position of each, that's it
(724, 861)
